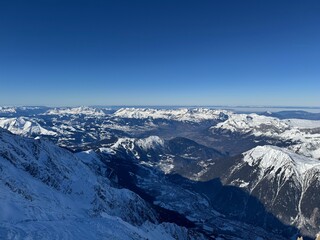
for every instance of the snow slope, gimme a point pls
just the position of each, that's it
(304, 134)
(24, 126)
(285, 182)
(48, 193)
(281, 161)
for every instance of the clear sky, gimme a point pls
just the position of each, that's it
(160, 52)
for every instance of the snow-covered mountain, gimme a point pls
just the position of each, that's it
(282, 161)
(8, 110)
(48, 193)
(25, 127)
(304, 134)
(236, 172)
(75, 111)
(276, 182)
(286, 183)
(80, 127)
(253, 123)
(182, 114)
(142, 169)
(268, 126)
(178, 155)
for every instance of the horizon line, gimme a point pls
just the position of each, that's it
(156, 105)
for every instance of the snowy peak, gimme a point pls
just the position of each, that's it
(76, 111)
(8, 110)
(286, 183)
(183, 114)
(24, 126)
(144, 143)
(275, 160)
(266, 125)
(152, 142)
(136, 146)
(126, 143)
(252, 122)
(303, 134)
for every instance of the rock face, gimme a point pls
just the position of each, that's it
(286, 183)
(47, 192)
(266, 186)
(144, 167)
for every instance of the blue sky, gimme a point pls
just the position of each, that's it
(168, 52)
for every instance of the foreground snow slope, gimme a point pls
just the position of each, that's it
(107, 227)
(48, 193)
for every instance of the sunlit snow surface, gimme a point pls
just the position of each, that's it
(24, 126)
(305, 134)
(183, 114)
(275, 160)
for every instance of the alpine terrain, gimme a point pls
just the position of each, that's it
(158, 173)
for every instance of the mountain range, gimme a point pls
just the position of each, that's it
(147, 173)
